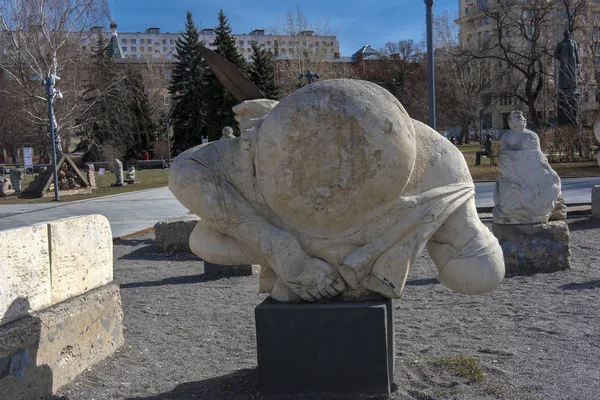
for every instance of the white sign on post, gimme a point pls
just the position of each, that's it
(27, 157)
(101, 171)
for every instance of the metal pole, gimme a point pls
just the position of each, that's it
(481, 137)
(430, 76)
(50, 87)
(169, 144)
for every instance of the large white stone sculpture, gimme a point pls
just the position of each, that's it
(336, 190)
(527, 188)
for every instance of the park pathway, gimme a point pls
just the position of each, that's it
(135, 211)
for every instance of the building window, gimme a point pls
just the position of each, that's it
(172, 49)
(171, 41)
(124, 49)
(241, 42)
(133, 48)
(164, 51)
(132, 41)
(123, 41)
(149, 49)
(141, 49)
(164, 41)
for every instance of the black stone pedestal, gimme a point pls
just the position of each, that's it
(334, 347)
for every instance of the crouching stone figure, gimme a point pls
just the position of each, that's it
(335, 190)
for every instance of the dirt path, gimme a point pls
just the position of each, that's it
(189, 336)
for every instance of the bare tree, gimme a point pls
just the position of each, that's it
(34, 33)
(461, 82)
(302, 46)
(401, 71)
(519, 43)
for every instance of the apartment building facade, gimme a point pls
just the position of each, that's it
(152, 43)
(477, 30)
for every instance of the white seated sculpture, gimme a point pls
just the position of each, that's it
(527, 188)
(336, 190)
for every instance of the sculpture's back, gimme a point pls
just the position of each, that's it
(332, 152)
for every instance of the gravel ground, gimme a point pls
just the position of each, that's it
(190, 336)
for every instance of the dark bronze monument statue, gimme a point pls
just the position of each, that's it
(567, 58)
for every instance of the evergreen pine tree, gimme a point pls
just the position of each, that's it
(143, 128)
(225, 43)
(262, 73)
(221, 101)
(188, 90)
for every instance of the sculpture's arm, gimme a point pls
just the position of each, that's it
(249, 113)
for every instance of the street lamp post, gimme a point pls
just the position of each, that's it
(430, 70)
(168, 144)
(51, 93)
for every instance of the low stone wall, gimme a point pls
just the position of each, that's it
(596, 201)
(42, 352)
(58, 316)
(173, 234)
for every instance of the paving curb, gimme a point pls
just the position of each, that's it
(480, 210)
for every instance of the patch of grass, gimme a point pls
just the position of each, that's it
(464, 366)
(488, 172)
(147, 179)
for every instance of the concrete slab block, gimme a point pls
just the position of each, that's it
(173, 234)
(341, 348)
(41, 353)
(534, 248)
(24, 272)
(81, 255)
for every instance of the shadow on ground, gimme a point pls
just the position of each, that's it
(149, 253)
(584, 224)
(176, 280)
(133, 242)
(241, 384)
(422, 282)
(583, 285)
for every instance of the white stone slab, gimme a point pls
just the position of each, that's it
(24, 272)
(81, 255)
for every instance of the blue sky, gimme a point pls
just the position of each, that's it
(355, 22)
